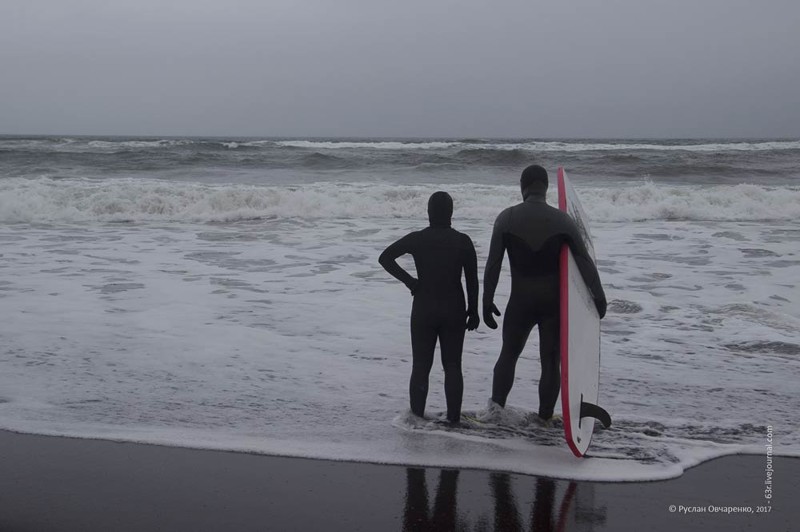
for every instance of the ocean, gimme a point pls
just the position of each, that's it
(224, 293)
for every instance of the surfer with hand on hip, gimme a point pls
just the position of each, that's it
(533, 233)
(439, 311)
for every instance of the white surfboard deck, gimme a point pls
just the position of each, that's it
(580, 331)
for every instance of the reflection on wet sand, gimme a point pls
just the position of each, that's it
(555, 506)
(444, 515)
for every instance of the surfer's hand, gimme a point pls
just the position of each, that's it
(601, 307)
(489, 312)
(472, 320)
(412, 285)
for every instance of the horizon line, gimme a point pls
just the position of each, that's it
(399, 138)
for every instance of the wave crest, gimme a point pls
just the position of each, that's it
(489, 156)
(109, 144)
(81, 200)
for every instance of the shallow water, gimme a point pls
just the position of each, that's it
(285, 336)
(225, 293)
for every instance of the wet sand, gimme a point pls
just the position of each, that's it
(52, 483)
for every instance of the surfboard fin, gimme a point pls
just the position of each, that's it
(591, 410)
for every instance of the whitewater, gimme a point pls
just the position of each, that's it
(188, 295)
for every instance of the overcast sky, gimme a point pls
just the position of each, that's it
(468, 68)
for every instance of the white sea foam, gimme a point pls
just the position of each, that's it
(374, 145)
(286, 337)
(77, 145)
(280, 333)
(136, 144)
(113, 146)
(546, 146)
(45, 200)
(600, 146)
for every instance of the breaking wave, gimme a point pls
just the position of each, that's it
(375, 145)
(490, 157)
(108, 144)
(546, 146)
(133, 200)
(709, 162)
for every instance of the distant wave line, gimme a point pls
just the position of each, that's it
(110, 145)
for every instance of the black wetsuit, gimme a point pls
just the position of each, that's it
(439, 311)
(533, 233)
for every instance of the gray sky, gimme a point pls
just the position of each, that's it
(587, 68)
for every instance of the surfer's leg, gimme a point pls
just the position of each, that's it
(549, 354)
(423, 344)
(517, 326)
(543, 504)
(444, 506)
(415, 513)
(451, 342)
(506, 513)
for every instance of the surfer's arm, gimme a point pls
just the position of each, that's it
(588, 271)
(471, 275)
(388, 260)
(497, 248)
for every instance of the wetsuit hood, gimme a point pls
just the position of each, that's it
(534, 182)
(440, 209)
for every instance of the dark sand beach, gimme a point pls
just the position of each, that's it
(53, 483)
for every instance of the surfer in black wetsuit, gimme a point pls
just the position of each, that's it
(533, 233)
(439, 311)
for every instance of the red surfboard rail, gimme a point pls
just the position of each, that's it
(564, 324)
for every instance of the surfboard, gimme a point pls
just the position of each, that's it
(580, 335)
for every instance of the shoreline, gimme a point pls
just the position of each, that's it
(58, 483)
(550, 454)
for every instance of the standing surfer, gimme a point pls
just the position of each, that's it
(533, 233)
(439, 311)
